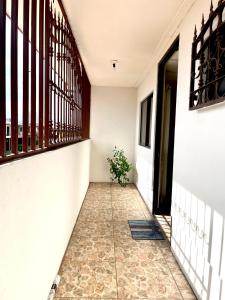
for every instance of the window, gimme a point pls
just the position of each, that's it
(145, 122)
(208, 61)
(44, 88)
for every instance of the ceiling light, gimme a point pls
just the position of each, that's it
(114, 63)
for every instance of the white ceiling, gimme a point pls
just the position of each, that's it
(125, 30)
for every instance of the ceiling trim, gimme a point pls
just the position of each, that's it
(170, 34)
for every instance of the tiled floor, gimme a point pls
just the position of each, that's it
(103, 261)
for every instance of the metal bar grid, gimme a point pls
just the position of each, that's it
(47, 72)
(33, 72)
(208, 61)
(14, 76)
(2, 77)
(26, 18)
(41, 70)
(58, 115)
(66, 83)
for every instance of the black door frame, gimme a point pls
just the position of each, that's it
(160, 93)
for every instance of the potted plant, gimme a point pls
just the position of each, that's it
(119, 167)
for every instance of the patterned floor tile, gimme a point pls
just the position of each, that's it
(87, 280)
(99, 187)
(75, 298)
(164, 245)
(147, 214)
(142, 204)
(181, 281)
(90, 215)
(144, 270)
(121, 229)
(66, 298)
(89, 229)
(91, 248)
(163, 298)
(99, 194)
(121, 197)
(119, 204)
(98, 197)
(145, 280)
(97, 204)
(188, 294)
(171, 262)
(130, 204)
(129, 250)
(125, 215)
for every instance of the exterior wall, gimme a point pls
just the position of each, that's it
(113, 114)
(40, 198)
(198, 206)
(144, 156)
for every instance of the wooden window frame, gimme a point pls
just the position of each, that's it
(148, 129)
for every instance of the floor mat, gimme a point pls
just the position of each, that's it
(145, 230)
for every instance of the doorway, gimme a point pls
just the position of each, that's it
(165, 128)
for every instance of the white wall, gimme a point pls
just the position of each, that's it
(40, 198)
(113, 114)
(198, 204)
(144, 156)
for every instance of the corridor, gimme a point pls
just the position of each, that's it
(102, 261)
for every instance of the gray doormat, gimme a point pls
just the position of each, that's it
(145, 230)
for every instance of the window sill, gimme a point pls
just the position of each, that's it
(22, 155)
(207, 104)
(147, 147)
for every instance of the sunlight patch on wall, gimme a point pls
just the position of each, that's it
(197, 242)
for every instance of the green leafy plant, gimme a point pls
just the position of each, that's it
(119, 167)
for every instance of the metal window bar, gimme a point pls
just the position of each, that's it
(47, 71)
(208, 61)
(63, 106)
(26, 5)
(14, 76)
(2, 77)
(65, 85)
(41, 70)
(33, 72)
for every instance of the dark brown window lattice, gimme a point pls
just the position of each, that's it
(44, 88)
(208, 60)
